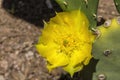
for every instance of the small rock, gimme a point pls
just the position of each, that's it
(21, 76)
(3, 38)
(2, 77)
(4, 64)
(29, 55)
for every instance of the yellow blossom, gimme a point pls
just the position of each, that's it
(66, 41)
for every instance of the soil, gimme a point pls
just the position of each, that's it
(20, 25)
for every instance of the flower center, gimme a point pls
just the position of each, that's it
(69, 44)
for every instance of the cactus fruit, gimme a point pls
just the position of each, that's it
(89, 7)
(107, 50)
(117, 4)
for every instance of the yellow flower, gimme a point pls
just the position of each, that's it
(66, 41)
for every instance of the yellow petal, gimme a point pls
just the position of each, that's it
(57, 61)
(44, 49)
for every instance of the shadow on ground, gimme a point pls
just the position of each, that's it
(33, 11)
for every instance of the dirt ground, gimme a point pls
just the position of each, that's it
(19, 59)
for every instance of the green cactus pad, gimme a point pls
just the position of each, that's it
(89, 7)
(107, 50)
(117, 4)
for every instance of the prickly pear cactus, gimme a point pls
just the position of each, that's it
(107, 50)
(117, 4)
(89, 7)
